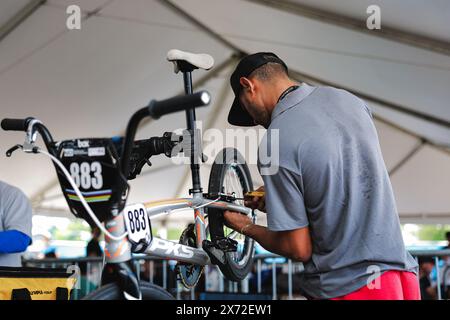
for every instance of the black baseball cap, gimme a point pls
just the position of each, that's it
(238, 116)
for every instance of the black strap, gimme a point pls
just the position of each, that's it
(24, 294)
(20, 294)
(62, 293)
(287, 91)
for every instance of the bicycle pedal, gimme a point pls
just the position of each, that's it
(216, 256)
(226, 244)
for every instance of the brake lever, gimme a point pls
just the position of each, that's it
(137, 168)
(138, 159)
(11, 150)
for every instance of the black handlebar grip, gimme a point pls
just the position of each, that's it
(15, 124)
(157, 109)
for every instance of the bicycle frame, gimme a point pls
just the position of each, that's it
(116, 252)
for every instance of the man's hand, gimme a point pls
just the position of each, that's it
(256, 202)
(236, 220)
(295, 244)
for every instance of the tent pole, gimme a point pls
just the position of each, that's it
(422, 143)
(417, 114)
(423, 42)
(300, 75)
(20, 17)
(201, 25)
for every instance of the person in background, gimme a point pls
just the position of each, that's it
(446, 259)
(50, 253)
(90, 271)
(427, 289)
(93, 248)
(15, 225)
(87, 283)
(447, 247)
(446, 269)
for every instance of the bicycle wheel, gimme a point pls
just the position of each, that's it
(111, 291)
(230, 175)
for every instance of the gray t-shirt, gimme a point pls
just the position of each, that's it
(15, 214)
(331, 177)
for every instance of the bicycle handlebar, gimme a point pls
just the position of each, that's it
(15, 124)
(157, 109)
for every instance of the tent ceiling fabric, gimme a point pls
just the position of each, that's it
(9, 8)
(85, 5)
(396, 72)
(428, 19)
(103, 72)
(88, 82)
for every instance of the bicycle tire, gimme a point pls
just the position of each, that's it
(230, 158)
(111, 291)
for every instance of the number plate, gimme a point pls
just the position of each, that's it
(138, 226)
(94, 166)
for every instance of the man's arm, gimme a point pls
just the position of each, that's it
(294, 244)
(16, 220)
(13, 241)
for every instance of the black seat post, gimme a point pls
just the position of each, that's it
(187, 69)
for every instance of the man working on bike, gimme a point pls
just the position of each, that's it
(330, 203)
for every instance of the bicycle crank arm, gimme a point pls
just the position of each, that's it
(218, 248)
(216, 256)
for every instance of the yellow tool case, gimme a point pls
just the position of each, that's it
(35, 284)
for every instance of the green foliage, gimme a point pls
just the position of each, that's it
(433, 232)
(74, 229)
(174, 234)
(72, 232)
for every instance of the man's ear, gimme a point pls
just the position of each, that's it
(246, 83)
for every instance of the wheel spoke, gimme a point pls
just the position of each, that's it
(232, 187)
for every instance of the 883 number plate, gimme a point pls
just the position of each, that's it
(138, 226)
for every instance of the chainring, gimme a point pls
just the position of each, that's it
(189, 274)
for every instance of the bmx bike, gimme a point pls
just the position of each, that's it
(93, 174)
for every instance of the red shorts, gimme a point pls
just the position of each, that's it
(391, 285)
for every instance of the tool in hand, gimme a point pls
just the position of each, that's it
(255, 194)
(247, 194)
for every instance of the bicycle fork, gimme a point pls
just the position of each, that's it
(119, 267)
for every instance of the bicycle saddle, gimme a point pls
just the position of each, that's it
(198, 60)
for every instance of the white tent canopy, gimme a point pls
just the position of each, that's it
(88, 82)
